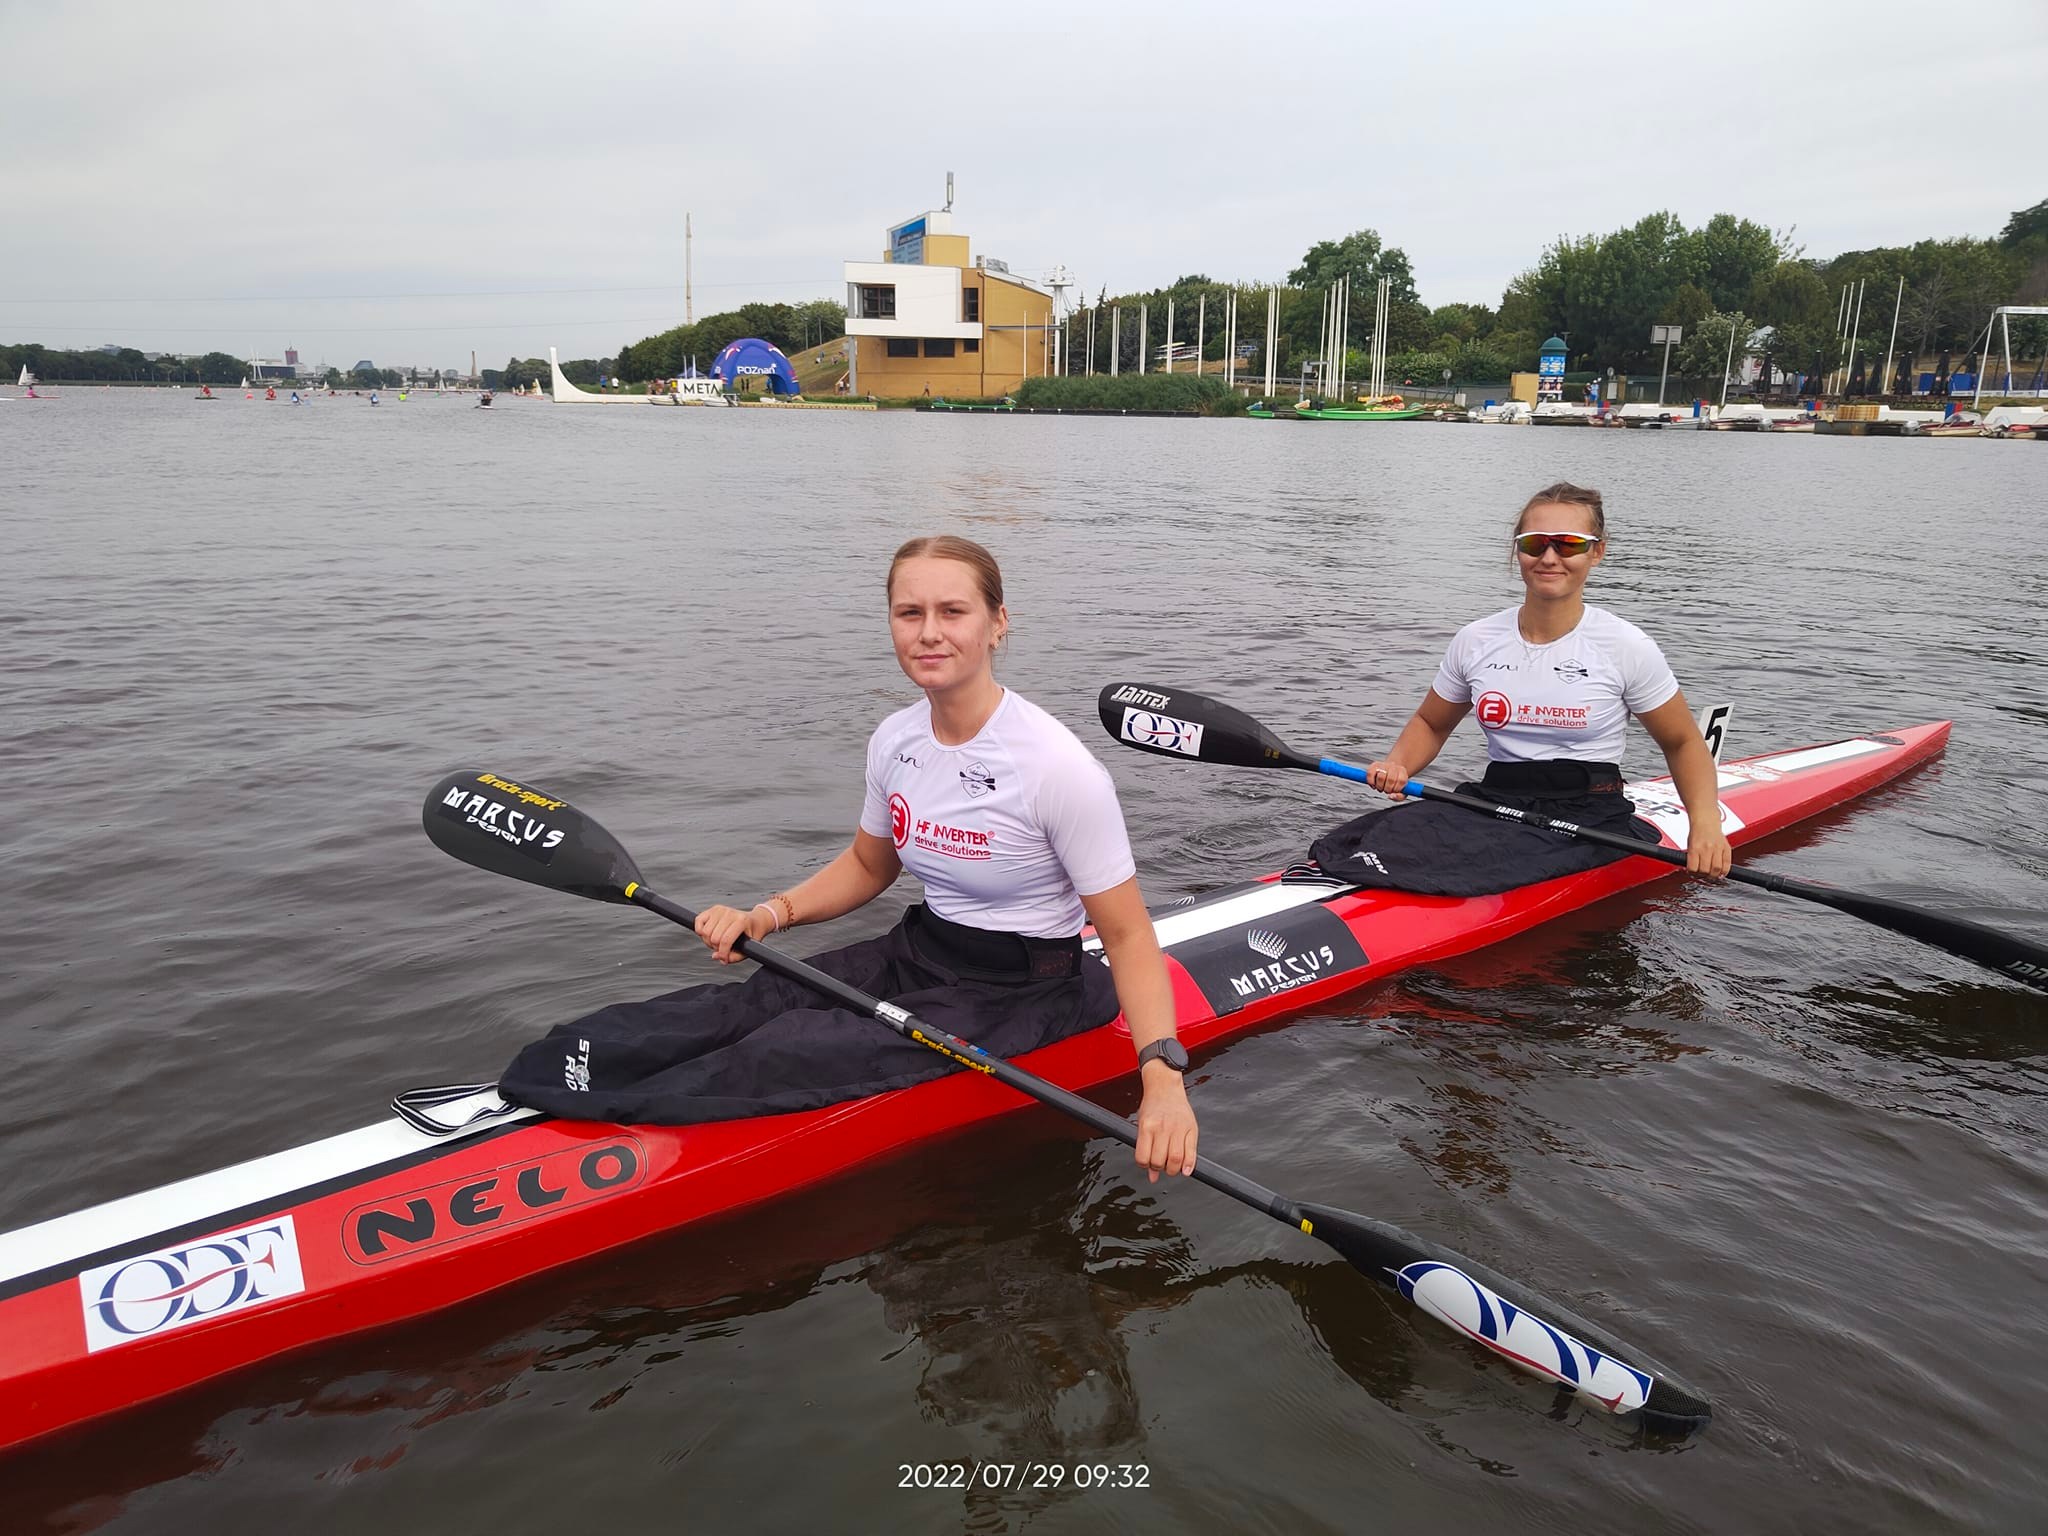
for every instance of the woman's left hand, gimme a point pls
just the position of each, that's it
(1707, 852)
(1166, 1123)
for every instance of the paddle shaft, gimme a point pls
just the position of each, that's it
(967, 1054)
(2003, 952)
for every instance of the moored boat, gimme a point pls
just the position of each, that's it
(146, 1295)
(1307, 412)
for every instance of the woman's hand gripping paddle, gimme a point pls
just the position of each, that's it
(510, 827)
(1189, 726)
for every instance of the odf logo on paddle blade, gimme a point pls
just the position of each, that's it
(1494, 710)
(1166, 733)
(899, 819)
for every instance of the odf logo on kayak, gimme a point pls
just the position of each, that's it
(190, 1283)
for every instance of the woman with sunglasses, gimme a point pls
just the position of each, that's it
(1553, 683)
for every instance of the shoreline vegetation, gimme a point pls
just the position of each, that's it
(1739, 290)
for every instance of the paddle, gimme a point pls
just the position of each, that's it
(1176, 723)
(511, 828)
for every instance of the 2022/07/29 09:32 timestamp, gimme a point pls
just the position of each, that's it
(1023, 1474)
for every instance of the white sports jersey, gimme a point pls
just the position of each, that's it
(1568, 699)
(1006, 831)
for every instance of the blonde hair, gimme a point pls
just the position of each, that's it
(949, 546)
(1565, 494)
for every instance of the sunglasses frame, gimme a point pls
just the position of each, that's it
(1563, 554)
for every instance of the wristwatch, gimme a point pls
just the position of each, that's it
(1169, 1050)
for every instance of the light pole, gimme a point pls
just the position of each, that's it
(1670, 336)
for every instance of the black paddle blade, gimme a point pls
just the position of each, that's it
(1191, 726)
(512, 828)
(1497, 1314)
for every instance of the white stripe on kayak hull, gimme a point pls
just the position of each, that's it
(1813, 757)
(1178, 925)
(210, 1196)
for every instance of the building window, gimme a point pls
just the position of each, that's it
(938, 346)
(876, 301)
(970, 304)
(902, 346)
(971, 344)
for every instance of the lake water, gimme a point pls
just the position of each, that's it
(1796, 1157)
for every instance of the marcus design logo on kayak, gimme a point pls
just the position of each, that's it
(1286, 971)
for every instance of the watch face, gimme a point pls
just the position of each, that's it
(1172, 1052)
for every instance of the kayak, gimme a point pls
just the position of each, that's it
(145, 1296)
(1337, 413)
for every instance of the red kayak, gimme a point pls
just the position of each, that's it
(147, 1295)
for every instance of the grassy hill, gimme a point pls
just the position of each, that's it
(819, 369)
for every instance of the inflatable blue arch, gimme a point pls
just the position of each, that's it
(751, 357)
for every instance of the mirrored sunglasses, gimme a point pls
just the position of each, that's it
(1566, 544)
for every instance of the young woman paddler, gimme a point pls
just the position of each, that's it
(1553, 682)
(1014, 830)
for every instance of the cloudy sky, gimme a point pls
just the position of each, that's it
(411, 182)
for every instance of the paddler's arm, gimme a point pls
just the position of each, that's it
(867, 868)
(1166, 1121)
(1418, 744)
(1673, 728)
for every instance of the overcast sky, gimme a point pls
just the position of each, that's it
(410, 182)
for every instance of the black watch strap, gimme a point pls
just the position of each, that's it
(1169, 1050)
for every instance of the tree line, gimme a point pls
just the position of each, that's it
(129, 366)
(791, 327)
(1729, 278)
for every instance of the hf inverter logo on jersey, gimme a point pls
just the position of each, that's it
(1169, 733)
(899, 819)
(190, 1283)
(1494, 710)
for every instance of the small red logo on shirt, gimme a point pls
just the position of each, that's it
(1494, 710)
(899, 819)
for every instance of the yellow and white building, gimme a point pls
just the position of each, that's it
(928, 320)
